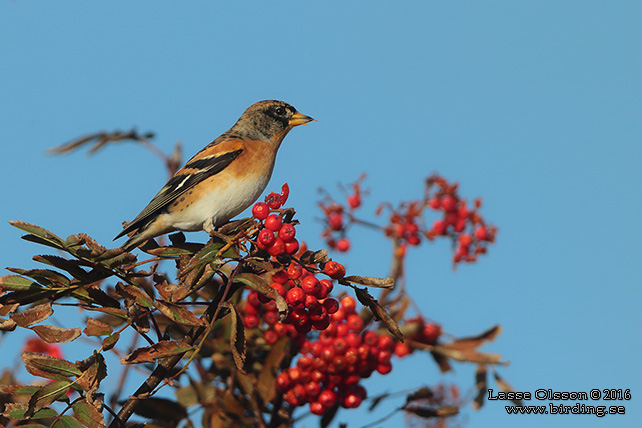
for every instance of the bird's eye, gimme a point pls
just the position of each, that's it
(280, 111)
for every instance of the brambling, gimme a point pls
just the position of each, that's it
(221, 180)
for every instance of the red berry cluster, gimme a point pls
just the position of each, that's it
(330, 368)
(427, 333)
(276, 237)
(463, 223)
(404, 225)
(338, 217)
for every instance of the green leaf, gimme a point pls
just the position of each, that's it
(46, 277)
(17, 283)
(110, 341)
(18, 412)
(42, 235)
(164, 348)
(179, 314)
(87, 414)
(67, 422)
(47, 395)
(44, 364)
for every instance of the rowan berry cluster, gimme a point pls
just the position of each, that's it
(330, 368)
(464, 224)
(338, 217)
(276, 237)
(459, 222)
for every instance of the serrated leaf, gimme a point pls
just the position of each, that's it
(179, 314)
(19, 389)
(44, 364)
(71, 266)
(33, 315)
(259, 284)
(47, 395)
(475, 341)
(51, 334)
(17, 283)
(370, 281)
(432, 412)
(87, 414)
(466, 355)
(8, 309)
(8, 325)
(379, 312)
(237, 337)
(120, 313)
(46, 277)
(17, 411)
(164, 348)
(94, 370)
(97, 328)
(47, 237)
(67, 422)
(481, 384)
(25, 297)
(314, 257)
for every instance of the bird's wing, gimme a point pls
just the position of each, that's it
(197, 169)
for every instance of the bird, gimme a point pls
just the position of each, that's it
(222, 180)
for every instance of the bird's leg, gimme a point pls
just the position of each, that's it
(208, 226)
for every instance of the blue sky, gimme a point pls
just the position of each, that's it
(535, 106)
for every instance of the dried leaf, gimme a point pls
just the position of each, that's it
(370, 281)
(120, 313)
(47, 395)
(179, 314)
(505, 386)
(172, 292)
(237, 337)
(94, 370)
(161, 409)
(8, 325)
(33, 315)
(267, 378)
(377, 400)
(475, 341)
(19, 389)
(379, 312)
(49, 367)
(423, 393)
(262, 286)
(466, 355)
(164, 348)
(8, 309)
(110, 341)
(314, 257)
(87, 414)
(17, 411)
(97, 328)
(135, 293)
(481, 384)
(431, 412)
(51, 334)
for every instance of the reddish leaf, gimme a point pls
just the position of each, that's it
(267, 378)
(51, 334)
(47, 395)
(8, 309)
(33, 315)
(135, 293)
(97, 328)
(110, 341)
(87, 414)
(237, 337)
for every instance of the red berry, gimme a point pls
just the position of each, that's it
(481, 233)
(279, 288)
(317, 408)
(335, 221)
(283, 382)
(295, 270)
(273, 200)
(431, 333)
(439, 227)
(266, 237)
(384, 368)
(343, 245)
(295, 296)
(292, 247)
(253, 299)
(402, 349)
(331, 305)
(310, 284)
(271, 337)
(328, 398)
(312, 390)
(385, 342)
(354, 201)
(251, 321)
(355, 322)
(322, 323)
(351, 401)
(260, 211)
(327, 284)
(270, 317)
(435, 203)
(310, 301)
(465, 239)
(413, 239)
(278, 247)
(348, 304)
(287, 232)
(281, 277)
(448, 203)
(273, 222)
(334, 270)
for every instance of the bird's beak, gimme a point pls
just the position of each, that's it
(299, 119)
